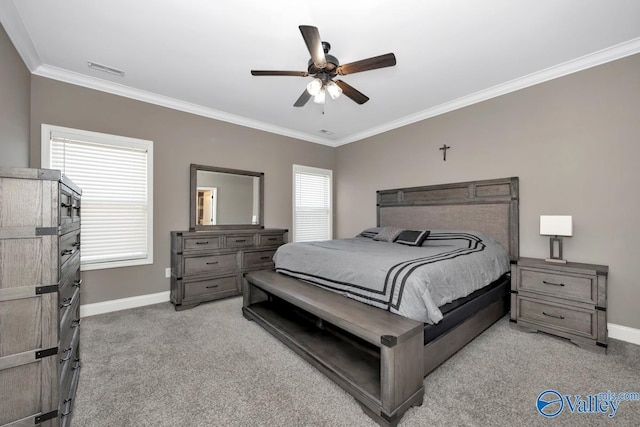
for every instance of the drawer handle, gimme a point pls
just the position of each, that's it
(76, 323)
(212, 286)
(65, 205)
(68, 406)
(67, 252)
(551, 283)
(68, 357)
(553, 315)
(241, 240)
(77, 283)
(66, 302)
(265, 257)
(76, 245)
(272, 239)
(202, 243)
(213, 262)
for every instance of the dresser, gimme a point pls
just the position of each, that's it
(567, 300)
(39, 296)
(208, 265)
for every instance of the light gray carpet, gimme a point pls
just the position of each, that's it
(208, 366)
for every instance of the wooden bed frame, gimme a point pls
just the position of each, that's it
(379, 357)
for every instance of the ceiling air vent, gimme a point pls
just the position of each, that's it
(326, 132)
(105, 69)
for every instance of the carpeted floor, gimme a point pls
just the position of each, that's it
(208, 366)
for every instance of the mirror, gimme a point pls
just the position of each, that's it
(225, 198)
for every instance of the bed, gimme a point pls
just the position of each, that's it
(381, 357)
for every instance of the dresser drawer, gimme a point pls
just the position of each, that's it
(569, 319)
(69, 324)
(69, 206)
(219, 285)
(68, 355)
(561, 285)
(68, 392)
(271, 239)
(258, 258)
(70, 278)
(66, 201)
(239, 241)
(201, 243)
(69, 304)
(69, 245)
(209, 263)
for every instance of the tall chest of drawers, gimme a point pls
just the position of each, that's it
(39, 296)
(208, 265)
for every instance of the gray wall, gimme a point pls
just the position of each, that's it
(179, 140)
(574, 143)
(14, 105)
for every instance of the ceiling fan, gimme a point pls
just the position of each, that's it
(324, 67)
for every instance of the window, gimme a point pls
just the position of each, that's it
(312, 207)
(116, 177)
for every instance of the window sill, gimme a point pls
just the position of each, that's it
(116, 264)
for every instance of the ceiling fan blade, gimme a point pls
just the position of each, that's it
(303, 99)
(386, 60)
(279, 73)
(349, 91)
(311, 37)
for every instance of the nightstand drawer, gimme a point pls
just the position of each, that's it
(569, 319)
(573, 287)
(211, 263)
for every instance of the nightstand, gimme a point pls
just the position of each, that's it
(567, 300)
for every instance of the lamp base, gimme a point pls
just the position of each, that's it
(553, 242)
(556, 260)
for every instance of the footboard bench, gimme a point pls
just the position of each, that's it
(375, 355)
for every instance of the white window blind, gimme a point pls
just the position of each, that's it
(312, 207)
(115, 176)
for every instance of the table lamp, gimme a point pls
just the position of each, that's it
(556, 226)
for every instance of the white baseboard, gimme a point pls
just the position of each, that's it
(624, 333)
(122, 304)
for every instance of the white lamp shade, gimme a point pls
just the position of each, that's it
(319, 98)
(556, 225)
(333, 89)
(314, 87)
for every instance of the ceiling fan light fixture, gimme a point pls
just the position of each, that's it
(334, 90)
(320, 97)
(314, 87)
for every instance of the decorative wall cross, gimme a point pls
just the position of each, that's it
(444, 149)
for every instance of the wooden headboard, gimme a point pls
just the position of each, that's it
(490, 206)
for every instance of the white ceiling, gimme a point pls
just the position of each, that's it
(195, 55)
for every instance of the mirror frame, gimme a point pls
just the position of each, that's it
(192, 195)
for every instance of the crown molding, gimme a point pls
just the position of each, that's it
(603, 56)
(12, 22)
(165, 101)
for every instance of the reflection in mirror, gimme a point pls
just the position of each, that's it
(225, 198)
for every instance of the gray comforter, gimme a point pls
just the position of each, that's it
(410, 281)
